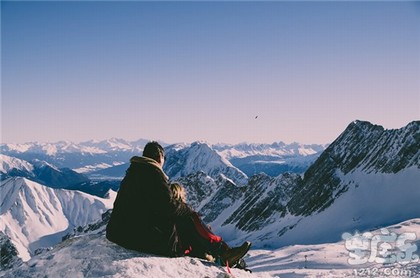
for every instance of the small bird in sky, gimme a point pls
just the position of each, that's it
(256, 116)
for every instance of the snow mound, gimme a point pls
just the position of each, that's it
(93, 255)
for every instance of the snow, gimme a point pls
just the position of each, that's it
(89, 147)
(327, 260)
(36, 216)
(269, 162)
(199, 156)
(40, 164)
(8, 163)
(276, 150)
(92, 168)
(92, 255)
(372, 200)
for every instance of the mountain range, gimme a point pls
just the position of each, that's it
(367, 178)
(108, 159)
(363, 180)
(39, 171)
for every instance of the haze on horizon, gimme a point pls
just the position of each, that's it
(188, 71)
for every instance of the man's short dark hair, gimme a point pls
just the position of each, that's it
(153, 150)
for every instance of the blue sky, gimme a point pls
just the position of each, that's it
(187, 71)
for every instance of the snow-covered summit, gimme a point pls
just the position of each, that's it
(183, 160)
(34, 216)
(9, 163)
(375, 149)
(110, 144)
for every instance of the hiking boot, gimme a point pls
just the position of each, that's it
(233, 255)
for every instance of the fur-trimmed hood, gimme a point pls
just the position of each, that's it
(146, 160)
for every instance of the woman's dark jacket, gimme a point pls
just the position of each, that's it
(144, 213)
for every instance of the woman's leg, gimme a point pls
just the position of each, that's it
(197, 239)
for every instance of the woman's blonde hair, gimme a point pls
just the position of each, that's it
(178, 192)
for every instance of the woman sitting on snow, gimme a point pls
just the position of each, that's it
(198, 240)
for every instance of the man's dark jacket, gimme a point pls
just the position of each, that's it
(144, 213)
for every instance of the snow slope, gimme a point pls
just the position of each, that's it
(36, 216)
(332, 259)
(91, 255)
(9, 163)
(372, 200)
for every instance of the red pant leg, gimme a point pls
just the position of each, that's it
(204, 231)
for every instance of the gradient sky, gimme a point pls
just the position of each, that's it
(185, 71)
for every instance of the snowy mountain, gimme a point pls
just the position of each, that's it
(85, 156)
(272, 159)
(12, 165)
(234, 210)
(362, 148)
(275, 149)
(367, 178)
(363, 180)
(183, 160)
(39, 171)
(35, 216)
(91, 157)
(88, 147)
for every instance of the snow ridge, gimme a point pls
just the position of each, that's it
(199, 156)
(36, 216)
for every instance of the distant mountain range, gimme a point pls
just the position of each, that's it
(85, 156)
(39, 171)
(100, 166)
(109, 159)
(367, 178)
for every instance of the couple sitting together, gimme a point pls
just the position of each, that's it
(150, 215)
